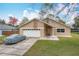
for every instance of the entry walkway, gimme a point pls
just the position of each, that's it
(49, 38)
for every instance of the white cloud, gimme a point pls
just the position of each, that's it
(30, 14)
(10, 15)
(19, 21)
(71, 16)
(51, 12)
(71, 19)
(25, 13)
(74, 15)
(59, 7)
(65, 11)
(7, 19)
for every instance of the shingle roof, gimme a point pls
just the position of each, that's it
(6, 27)
(43, 22)
(33, 20)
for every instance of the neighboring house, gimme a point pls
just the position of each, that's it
(46, 27)
(7, 29)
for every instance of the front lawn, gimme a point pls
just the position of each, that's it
(2, 37)
(63, 47)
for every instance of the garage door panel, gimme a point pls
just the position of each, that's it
(32, 33)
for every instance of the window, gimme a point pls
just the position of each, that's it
(60, 30)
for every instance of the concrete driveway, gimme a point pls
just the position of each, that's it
(17, 49)
(20, 48)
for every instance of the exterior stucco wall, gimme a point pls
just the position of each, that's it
(62, 34)
(33, 25)
(56, 26)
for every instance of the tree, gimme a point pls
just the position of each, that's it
(2, 21)
(65, 5)
(25, 19)
(42, 14)
(50, 16)
(71, 9)
(76, 25)
(60, 20)
(45, 9)
(12, 20)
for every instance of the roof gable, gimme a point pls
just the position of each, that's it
(33, 20)
(56, 22)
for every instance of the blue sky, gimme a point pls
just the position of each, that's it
(20, 9)
(16, 9)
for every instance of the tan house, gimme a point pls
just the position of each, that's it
(43, 28)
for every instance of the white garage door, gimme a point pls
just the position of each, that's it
(31, 33)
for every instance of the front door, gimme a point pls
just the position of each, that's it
(48, 31)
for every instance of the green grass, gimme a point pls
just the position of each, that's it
(63, 47)
(75, 32)
(2, 38)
